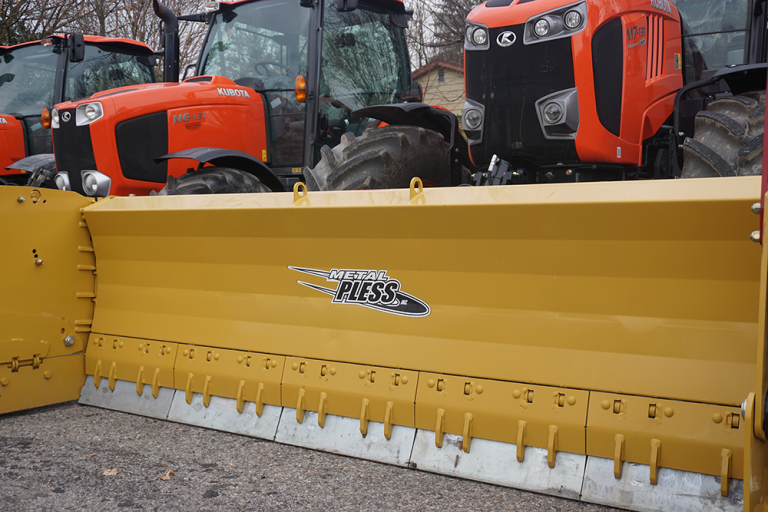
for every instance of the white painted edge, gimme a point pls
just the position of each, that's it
(496, 463)
(125, 399)
(342, 435)
(221, 414)
(675, 491)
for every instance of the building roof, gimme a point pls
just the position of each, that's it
(438, 64)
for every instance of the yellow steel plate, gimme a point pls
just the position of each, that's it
(57, 379)
(499, 407)
(646, 288)
(346, 386)
(229, 373)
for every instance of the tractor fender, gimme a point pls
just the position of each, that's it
(44, 161)
(232, 158)
(440, 120)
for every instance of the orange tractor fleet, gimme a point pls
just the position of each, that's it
(38, 74)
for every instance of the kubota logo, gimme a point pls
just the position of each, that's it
(662, 5)
(506, 38)
(368, 288)
(223, 91)
(66, 116)
(3, 121)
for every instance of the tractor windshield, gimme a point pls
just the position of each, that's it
(105, 67)
(715, 34)
(364, 62)
(263, 45)
(27, 77)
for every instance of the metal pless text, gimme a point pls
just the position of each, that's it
(372, 289)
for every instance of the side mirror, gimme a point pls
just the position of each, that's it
(76, 48)
(346, 5)
(413, 95)
(189, 70)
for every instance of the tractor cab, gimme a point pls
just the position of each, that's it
(37, 75)
(310, 85)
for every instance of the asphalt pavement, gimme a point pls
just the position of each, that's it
(73, 457)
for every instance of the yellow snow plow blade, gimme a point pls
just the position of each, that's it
(46, 306)
(592, 341)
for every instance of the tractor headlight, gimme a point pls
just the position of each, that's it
(479, 36)
(572, 19)
(553, 112)
(95, 184)
(88, 113)
(554, 24)
(473, 119)
(476, 37)
(55, 119)
(62, 181)
(541, 28)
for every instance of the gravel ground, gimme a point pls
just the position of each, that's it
(53, 458)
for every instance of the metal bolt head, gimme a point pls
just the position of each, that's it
(21, 199)
(39, 262)
(549, 175)
(755, 235)
(756, 208)
(568, 172)
(69, 340)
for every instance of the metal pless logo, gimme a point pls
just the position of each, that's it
(223, 91)
(662, 5)
(66, 116)
(368, 288)
(506, 38)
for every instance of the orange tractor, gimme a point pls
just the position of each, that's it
(593, 90)
(36, 75)
(275, 81)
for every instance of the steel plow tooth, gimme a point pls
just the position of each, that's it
(342, 435)
(221, 414)
(124, 398)
(495, 462)
(676, 490)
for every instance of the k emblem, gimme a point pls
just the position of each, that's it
(506, 38)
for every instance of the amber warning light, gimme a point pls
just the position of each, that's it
(301, 89)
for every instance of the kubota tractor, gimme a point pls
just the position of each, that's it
(276, 79)
(593, 90)
(36, 75)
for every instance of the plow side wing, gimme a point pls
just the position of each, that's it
(46, 307)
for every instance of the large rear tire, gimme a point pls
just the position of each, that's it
(213, 180)
(728, 138)
(386, 157)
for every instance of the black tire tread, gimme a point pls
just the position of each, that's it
(213, 180)
(383, 157)
(728, 138)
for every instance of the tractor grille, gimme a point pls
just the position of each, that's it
(73, 149)
(508, 81)
(139, 141)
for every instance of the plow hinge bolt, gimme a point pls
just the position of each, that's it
(756, 208)
(361, 374)
(479, 388)
(431, 383)
(717, 417)
(755, 235)
(186, 352)
(516, 393)
(69, 340)
(571, 400)
(605, 404)
(404, 380)
(4, 381)
(668, 412)
(215, 356)
(20, 199)
(295, 366)
(333, 370)
(239, 359)
(47, 375)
